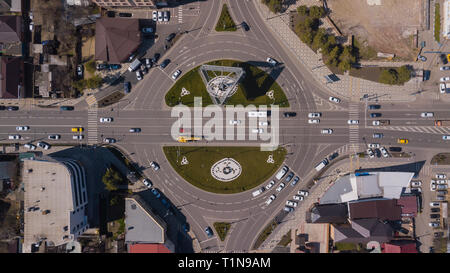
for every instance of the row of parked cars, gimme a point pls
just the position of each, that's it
(377, 149)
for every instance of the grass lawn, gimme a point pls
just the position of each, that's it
(255, 169)
(286, 239)
(251, 90)
(441, 159)
(345, 246)
(437, 22)
(111, 99)
(225, 22)
(222, 229)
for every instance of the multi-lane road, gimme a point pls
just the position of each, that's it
(144, 107)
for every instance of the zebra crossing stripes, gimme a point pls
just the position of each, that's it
(92, 125)
(90, 100)
(353, 113)
(419, 129)
(180, 15)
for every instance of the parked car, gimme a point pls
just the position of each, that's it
(271, 61)
(416, 183)
(155, 16)
(291, 203)
(442, 88)
(12, 108)
(2, 107)
(443, 58)
(434, 224)
(444, 68)
(148, 63)
(66, 108)
(139, 75)
(280, 187)
(444, 79)
(13, 137)
(370, 153)
(334, 99)
(170, 37)
(374, 145)
(135, 130)
(164, 63)
(147, 183)
(288, 209)
(125, 14)
(156, 58)
(209, 232)
(114, 66)
(154, 165)
(375, 115)
(147, 30)
(80, 70)
(270, 199)
(333, 156)
(101, 66)
(435, 209)
(22, 128)
(126, 87)
(384, 152)
(298, 197)
(166, 16)
(176, 74)
(43, 145)
(441, 176)
(435, 204)
(295, 181)
(446, 137)
(289, 177)
(155, 193)
(303, 193)
(438, 234)
(395, 149)
(270, 185)
(245, 26)
(30, 146)
(54, 137)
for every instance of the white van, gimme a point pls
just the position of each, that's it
(254, 114)
(258, 192)
(282, 172)
(322, 164)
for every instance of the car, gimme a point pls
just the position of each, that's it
(271, 61)
(170, 37)
(441, 182)
(155, 193)
(427, 114)
(443, 192)
(166, 16)
(314, 115)
(291, 203)
(440, 198)
(352, 121)
(446, 137)
(22, 128)
(101, 66)
(80, 70)
(441, 176)
(270, 185)
(435, 209)
(144, 69)
(54, 137)
(160, 16)
(12, 108)
(77, 129)
(270, 199)
(370, 153)
(435, 204)
(155, 16)
(434, 224)
(31, 26)
(245, 26)
(289, 114)
(377, 135)
(209, 232)
(156, 58)
(442, 68)
(303, 193)
(154, 165)
(235, 122)
(109, 140)
(139, 75)
(373, 145)
(280, 187)
(377, 152)
(313, 121)
(295, 181)
(148, 63)
(66, 108)
(298, 197)
(375, 115)
(444, 79)
(442, 88)
(374, 106)
(384, 152)
(30, 146)
(416, 183)
(132, 56)
(257, 131)
(43, 145)
(443, 58)
(282, 173)
(14, 137)
(438, 234)
(288, 209)
(2, 107)
(334, 99)
(395, 149)
(402, 141)
(263, 123)
(125, 14)
(289, 177)
(126, 87)
(432, 186)
(135, 130)
(147, 183)
(106, 120)
(326, 131)
(176, 74)
(333, 156)
(77, 137)
(164, 63)
(441, 186)
(147, 30)
(114, 66)
(376, 123)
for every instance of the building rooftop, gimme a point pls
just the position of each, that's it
(386, 209)
(329, 213)
(408, 205)
(148, 248)
(399, 247)
(10, 29)
(363, 231)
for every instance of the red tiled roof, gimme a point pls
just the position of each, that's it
(148, 248)
(405, 248)
(381, 209)
(408, 204)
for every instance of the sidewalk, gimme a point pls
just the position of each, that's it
(347, 87)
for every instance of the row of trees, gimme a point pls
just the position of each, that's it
(92, 83)
(307, 29)
(398, 75)
(274, 5)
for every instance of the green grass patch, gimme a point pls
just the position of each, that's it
(225, 22)
(251, 90)
(222, 229)
(255, 169)
(437, 22)
(441, 159)
(346, 246)
(286, 239)
(365, 52)
(264, 234)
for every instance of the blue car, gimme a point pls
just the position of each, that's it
(126, 87)
(114, 66)
(165, 203)
(209, 232)
(156, 193)
(296, 179)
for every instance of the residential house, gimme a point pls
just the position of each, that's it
(382, 209)
(399, 247)
(11, 77)
(11, 35)
(329, 213)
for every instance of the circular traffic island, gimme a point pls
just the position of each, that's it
(224, 170)
(257, 87)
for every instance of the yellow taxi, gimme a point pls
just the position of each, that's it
(402, 141)
(77, 129)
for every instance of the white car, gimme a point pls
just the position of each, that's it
(312, 121)
(370, 152)
(432, 186)
(373, 145)
(446, 137)
(441, 182)
(77, 137)
(270, 185)
(176, 74)
(14, 137)
(147, 183)
(263, 123)
(334, 99)
(327, 131)
(271, 198)
(442, 68)
(353, 121)
(435, 204)
(298, 197)
(376, 123)
(155, 16)
(31, 26)
(160, 16)
(22, 128)
(314, 115)
(166, 16)
(235, 122)
(54, 137)
(434, 224)
(303, 193)
(441, 176)
(43, 145)
(106, 120)
(138, 75)
(427, 114)
(154, 165)
(30, 146)
(291, 203)
(416, 183)
(257, 131)
(442, 88)
(444, 79)
(271, 61)
(280, 187)
(384, 152)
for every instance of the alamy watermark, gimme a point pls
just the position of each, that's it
(221, 126)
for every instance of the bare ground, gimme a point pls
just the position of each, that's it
(386, 28)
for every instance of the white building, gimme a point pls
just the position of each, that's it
(55, 201)
(446, 14)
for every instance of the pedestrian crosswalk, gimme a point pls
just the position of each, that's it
(90, 100)
(353, 114)
(419, 129)
(92, 129)
(180, 14)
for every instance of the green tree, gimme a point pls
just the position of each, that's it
(332, 58)
(112, 179)
(316, 12)
(306, 37)
(94, 82)
(329, 44)
(274, 5)
(389, 76)
(90, 66)
(404, 74)
(319, 39)
(347, 58)
(303, 10)
(80, 85)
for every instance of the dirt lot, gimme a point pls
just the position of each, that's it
(385, 28)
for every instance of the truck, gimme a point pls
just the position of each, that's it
(184, 139)
(134, 65)
(442, 123)
(258, 192)
(384, 122)
(322, 164)
(282, 172)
